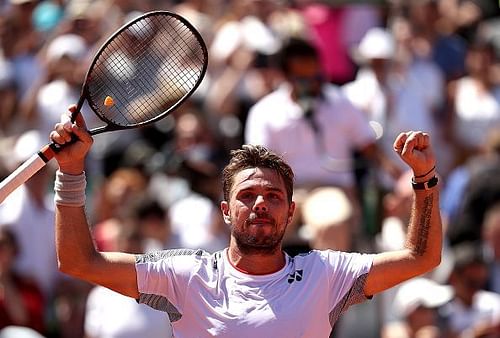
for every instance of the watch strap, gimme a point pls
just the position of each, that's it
(425, 185)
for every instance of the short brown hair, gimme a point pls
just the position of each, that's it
(256, 156)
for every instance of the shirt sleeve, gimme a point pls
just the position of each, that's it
(347, 273)
(163, 278)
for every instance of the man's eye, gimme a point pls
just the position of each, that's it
(246, 195)
(274, 196)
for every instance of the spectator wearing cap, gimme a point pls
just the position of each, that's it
(64, 56)
(395, 90)
(417, 303)
(328, 227)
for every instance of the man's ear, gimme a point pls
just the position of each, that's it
(291, 212)
(224, 207)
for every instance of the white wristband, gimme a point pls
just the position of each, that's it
(70, 189)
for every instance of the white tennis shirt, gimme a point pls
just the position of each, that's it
(205, 296)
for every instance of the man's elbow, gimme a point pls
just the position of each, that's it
(71, 269)
(436, 261)
(430, 262)
(76, 267)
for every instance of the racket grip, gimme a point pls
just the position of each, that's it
(24, 172)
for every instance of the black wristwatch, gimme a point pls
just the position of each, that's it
(424, 185)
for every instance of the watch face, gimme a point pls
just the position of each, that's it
(425, 185)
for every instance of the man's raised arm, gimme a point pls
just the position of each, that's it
(76, 253)
(423, 245)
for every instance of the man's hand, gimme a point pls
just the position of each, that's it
(414, 148)
(71, 158)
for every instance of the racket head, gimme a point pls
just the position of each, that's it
(144, 71)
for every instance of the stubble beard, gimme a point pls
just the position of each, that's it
(254, 244)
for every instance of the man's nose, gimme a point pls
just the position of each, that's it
(260, 204)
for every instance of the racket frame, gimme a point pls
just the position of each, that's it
(110, 125)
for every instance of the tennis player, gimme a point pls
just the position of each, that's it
(252, 288)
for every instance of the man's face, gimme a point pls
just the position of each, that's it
(258, 210)
(304, 74)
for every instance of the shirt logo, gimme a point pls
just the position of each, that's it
(295, 276)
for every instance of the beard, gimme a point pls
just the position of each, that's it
(251, 244)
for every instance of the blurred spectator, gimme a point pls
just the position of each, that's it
(471, 190)
(473, 312)
(89, 19)
(30, 212)
(334, 30)
(328, 215)
(474, 101)
(69, 308)
(441, 43)
(200, 165)
(204, 228)
(201, 13)
(396, 92)
(8, 98)
(417, 302)
(65, 73)
(110, 315)
(242, 69)
(21, 302)
(113, 197)
(152, 223)
(466, 16)
(396, 215)
(491, 240)
(19, 332)
(311, 123)
(20, 43)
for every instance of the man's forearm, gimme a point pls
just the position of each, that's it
(424, 238)
(74, 243)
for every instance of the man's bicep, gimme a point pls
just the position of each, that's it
(390, 269)
(116, 271)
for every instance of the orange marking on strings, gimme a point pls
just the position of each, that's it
(108, 101)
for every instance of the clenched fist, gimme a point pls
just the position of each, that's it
(415, 149)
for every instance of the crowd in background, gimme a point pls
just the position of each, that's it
(382, 67)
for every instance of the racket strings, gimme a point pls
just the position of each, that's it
(146, 69)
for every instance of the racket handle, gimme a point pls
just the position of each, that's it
(25, 171)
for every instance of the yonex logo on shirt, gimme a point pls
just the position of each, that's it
(295, 276)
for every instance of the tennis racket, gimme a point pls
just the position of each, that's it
(142, 73)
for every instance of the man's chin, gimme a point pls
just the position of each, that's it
(256, 249)
(257, 245)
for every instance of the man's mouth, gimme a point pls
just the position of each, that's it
(260, 221)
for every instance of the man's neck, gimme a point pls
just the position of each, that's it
(255, 264)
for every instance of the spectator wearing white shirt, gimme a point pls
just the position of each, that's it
(473, 312)
(311, 123)
(30, 212)
(394, 94)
